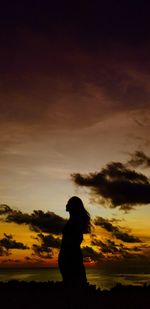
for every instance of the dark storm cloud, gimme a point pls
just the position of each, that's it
(42, 251)
(107, 247)
(49, 240)
(110, 247)
(5, 209)
(116, 231)
(117, 186)
(7, 243)
(90, 254)
(117, 252)
(38, 221)
(139, 158)
(110, 251)
(119, 257)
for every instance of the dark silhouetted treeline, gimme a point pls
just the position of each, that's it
(16, 294)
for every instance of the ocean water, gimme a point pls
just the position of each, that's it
(103, 281)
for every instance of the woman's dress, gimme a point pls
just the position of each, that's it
(70, 258)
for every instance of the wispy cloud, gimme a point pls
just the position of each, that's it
(139, 158)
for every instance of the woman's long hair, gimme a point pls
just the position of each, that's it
(76, 209)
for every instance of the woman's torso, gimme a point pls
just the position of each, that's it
(72, 238)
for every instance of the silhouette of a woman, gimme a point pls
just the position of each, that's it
(70, 258)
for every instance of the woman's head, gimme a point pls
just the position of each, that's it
(76, 209)
(74, 205)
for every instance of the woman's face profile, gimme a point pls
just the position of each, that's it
(73, 205)
(67, 207)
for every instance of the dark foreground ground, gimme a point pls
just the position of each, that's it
(15, 294)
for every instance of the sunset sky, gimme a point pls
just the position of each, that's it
(75, 120)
